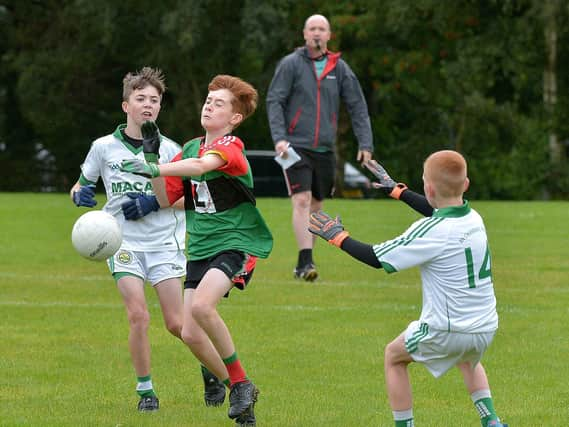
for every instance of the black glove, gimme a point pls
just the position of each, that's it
(140, 205)
(150, 142)
(386, 183)
(85, 196)
(328, 228)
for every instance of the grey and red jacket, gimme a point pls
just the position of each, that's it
(303, 109)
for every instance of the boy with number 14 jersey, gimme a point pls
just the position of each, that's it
(458, 319)
(447, 247)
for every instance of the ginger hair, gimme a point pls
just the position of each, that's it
(244, 94)
(446, 170)
(147, 76)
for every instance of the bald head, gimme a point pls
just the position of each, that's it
(446, 171)
(316, 19)
(316, 34)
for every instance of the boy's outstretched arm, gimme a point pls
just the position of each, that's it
(399, 190)
(332, 230)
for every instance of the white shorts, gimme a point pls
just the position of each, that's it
(153, 267)
(440, 350)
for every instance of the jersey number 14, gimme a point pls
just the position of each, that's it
(484, 271)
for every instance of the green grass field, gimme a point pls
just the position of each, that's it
(315, 350)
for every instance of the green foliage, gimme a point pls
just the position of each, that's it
(315, 350)
(448, 77)
(452, 74)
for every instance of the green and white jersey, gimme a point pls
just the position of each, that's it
(451, 249)
(157, 231)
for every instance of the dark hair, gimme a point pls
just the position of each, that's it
(139, 80)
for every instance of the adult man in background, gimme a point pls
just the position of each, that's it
(303, 103)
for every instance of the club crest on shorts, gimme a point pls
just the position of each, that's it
(124, 257)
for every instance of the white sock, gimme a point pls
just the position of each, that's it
(480, 394)
(404, 415)
(144, 386)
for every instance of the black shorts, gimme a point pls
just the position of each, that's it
(236, 265)
(314, 172)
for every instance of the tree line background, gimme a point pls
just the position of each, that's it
(488, 78)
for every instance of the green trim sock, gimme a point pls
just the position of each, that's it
(404, 418)
(236, 372)
(144, 387)
(484, 405)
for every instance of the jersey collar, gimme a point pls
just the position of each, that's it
(118, 135)
(453, 211)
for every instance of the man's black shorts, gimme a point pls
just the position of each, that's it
(315, 172)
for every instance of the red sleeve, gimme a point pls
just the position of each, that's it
(230, 149)
(174, 184)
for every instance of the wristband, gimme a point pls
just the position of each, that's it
(397, 190)
(151, 157)
(155, 169)
(339, 238)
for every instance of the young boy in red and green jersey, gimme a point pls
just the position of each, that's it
(226, 232)
(223, 215)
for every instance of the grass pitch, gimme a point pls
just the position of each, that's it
(314, 350)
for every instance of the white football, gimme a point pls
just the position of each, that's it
(96, 235)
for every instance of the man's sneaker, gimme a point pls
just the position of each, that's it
(148, 404)
(214, 390)
(247, 418)
(242, 398)
(495, 423)
(308, 273)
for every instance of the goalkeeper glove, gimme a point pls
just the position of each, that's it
(138, 167)
(328, 228)
(386, 183)
(140, 205)
(150, 141)
(85, 196)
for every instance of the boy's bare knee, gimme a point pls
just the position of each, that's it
(388, 352)
(175, 328)
(139, 319)
(188, 336)
(193, 339)
(202, 312)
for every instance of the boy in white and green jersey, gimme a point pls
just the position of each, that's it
(158, 230)
(153, 239)
(450, 246)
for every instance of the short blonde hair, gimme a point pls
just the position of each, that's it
(244, 94)
(446, 170)
(147, 76)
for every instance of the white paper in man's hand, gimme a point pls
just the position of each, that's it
(291, 158)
